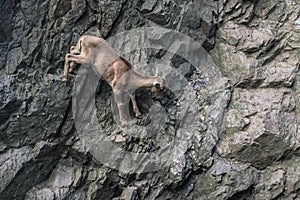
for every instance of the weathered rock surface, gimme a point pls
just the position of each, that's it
(234, 126)
(260, 127)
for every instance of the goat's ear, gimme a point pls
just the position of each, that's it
(156, 84)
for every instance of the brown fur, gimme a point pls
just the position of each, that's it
(115, 70)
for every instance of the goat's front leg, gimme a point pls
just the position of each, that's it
(120, 99)
(135, 106)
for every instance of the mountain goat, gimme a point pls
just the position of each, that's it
(113, 69)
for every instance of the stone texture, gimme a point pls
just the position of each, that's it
(265, 127)
(234, 125)
(226, 180)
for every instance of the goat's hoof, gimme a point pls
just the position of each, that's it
(139, 116)
(66, 81)
(123, 123)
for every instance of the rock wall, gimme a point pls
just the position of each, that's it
(241, 139)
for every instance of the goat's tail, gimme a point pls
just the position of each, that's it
(79, 45)
(76, 50)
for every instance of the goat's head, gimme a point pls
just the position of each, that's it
(158, 87)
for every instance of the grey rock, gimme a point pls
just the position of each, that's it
(8, 102)
(253, 141)
(129, 193)
(14, 58)
(148, 6)
(224, 180)
(44, 193)
(25, 168)
(9, 167)
(232, 126)
(292, 178)
(272, 184)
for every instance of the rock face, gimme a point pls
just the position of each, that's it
(230, 113)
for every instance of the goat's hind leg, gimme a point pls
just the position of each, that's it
(68, 65)
(66, 68)
(71, 58)
(73, 51)
(72, 67)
